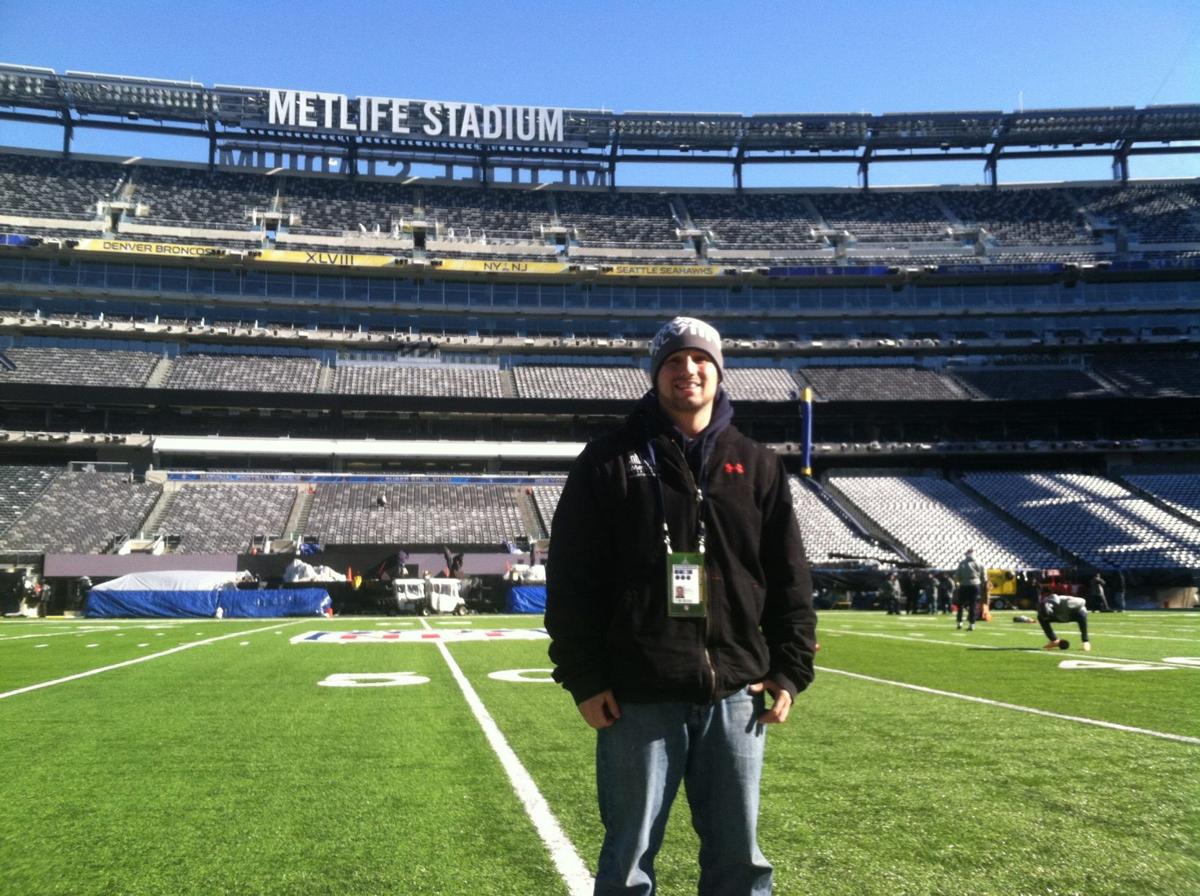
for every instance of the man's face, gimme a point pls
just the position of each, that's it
(687, 381)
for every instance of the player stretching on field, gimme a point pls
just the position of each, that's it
(1063, 608)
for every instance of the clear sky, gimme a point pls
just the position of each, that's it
(702, 55)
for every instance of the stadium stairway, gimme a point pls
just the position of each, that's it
(297, 520)
(529, 517)
(159, 374)
(508, 385)
(161, 507)
(324, 380)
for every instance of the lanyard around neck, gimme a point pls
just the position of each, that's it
(662, 498)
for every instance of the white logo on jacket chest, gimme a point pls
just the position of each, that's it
(635, 467)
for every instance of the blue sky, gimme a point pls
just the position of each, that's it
(921, 55)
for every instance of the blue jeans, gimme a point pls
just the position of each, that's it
(717, 752)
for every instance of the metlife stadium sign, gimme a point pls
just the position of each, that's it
(415, 119)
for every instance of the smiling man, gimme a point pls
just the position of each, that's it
(678, 599)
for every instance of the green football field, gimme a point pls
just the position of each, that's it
(410, 756)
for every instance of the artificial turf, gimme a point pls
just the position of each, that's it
(225, 767)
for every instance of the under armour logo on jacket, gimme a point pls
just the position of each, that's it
(735, 468)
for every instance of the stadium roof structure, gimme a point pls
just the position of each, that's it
(244, 125)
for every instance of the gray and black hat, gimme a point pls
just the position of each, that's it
(685, 332)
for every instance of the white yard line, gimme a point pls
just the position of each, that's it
(562, 852)
(140, 659)
(968, 642)
(74, 631)
(1182, 738)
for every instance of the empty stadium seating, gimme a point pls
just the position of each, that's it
(81, 513)
(1154, 377)
(890, 217)
(1022, 383)
(20, 486)
(828, 540)
(53, 188)
(617, 220)
(539, 381)
(1021, 216)
(1099, 521)
(433, 381)
(243, 373)
(223, 517)
(760, 384)
(416, 514)
(1075, 222)
(880, 384)
(937, 522)
(76, 366)
(756, 221)
(189, 196)
(545, 499)
(1150, 214)
(1181, 491)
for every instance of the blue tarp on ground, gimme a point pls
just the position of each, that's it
(307, 601)
(527, 599)
(199, 594)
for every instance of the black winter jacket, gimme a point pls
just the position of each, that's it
(606, 608)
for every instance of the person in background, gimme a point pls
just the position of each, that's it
(1096, 596)
(1063, 608)
(1116, 581)
(945, 592)
(970, 576)
(890, 592)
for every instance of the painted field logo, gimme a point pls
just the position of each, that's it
(372, 679)
(422, 636)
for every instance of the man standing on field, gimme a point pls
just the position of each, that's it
(678, 597)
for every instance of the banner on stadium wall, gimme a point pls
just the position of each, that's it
(479, 266)
(421, 119)
(160, 250)
(663, 270)
(325, 259)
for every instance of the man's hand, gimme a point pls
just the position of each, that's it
(781, 702)
(600, 711)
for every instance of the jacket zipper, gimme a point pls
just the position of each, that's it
(708, 662)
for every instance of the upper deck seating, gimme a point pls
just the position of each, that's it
(243, 373)
(880, 384)
(435, 381)
(1021, 216)
(755, 220)
(51, 365)
(619, 219)
(193, 196)
(54, 188)
(601, 383)
(1032, 383)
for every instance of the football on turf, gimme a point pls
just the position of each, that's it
(1063, 643)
